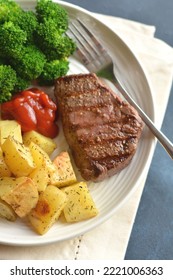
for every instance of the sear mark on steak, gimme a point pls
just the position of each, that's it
(101, 129)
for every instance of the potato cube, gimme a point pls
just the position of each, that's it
(20, 193)
(40, 157)
(41, 177)
(46, 143)
(6, 211)
(48, 209)
(10, 128)
(64, 174)
(7, 184)
(80, 205)
(4, 170)
(17, 157)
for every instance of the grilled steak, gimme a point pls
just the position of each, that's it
(101, 129)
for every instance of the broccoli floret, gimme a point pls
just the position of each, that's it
(3, 60)
(52, 70)
(33, 45)
(20, 85)
(7, 82)
(12, 39)
(46, 10)
(63, 47)
(54, 44)
(29, 64)
(27, 21)
(8, 10)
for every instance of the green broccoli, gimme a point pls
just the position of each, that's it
(29, 64)
(54, 44)
(7, 82)
(20, 84)
(53, 70)
(33, 45)
(27, 21)
(46, 9)
(12, 39)
(3, 60)
(9, 10)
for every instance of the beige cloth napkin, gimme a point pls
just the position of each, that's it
(109, 240)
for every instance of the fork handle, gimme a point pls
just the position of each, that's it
(166, 143)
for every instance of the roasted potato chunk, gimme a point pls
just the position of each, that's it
(7, 184)
(46, 143)
(6, 211)
(64, 174)
(4, 170)
(40, 157)
(17, 157)
(48, 209)
(10, 128)
(20, 193)
(41, 177)
(80, 205)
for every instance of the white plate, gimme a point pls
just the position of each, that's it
(110, 194)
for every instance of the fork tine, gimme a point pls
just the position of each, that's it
(89, 48)
(83, 41)
(97, 45)
(82, 54)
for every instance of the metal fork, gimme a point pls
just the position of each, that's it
(97, 60)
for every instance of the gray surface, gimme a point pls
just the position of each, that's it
(152, 234)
